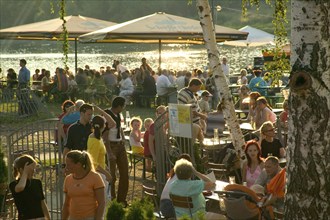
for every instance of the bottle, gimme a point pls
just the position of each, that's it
(216, 135)
(122, 122)
(128, 119)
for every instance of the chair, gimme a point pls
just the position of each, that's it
(151, 193)
(220, 170)
(184, 202)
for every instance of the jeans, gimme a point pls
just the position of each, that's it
(119, 159)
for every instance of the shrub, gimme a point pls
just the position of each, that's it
(140, 210)
(3, 175)
(115, 211)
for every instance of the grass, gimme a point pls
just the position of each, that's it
(52, 110)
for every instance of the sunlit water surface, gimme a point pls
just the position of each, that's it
(175, 57)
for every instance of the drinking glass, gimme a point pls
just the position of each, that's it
(232, 179)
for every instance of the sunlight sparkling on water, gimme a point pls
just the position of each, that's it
(175, 58)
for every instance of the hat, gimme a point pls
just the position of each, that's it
(258, 189)
(206, 93)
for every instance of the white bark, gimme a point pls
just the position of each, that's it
(308, 154)
(205, 17)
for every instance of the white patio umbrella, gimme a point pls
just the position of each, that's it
(160, 28)
(52, 29)
(255, 38)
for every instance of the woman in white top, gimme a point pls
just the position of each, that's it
(264, 112)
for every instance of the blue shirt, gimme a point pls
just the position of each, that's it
(24, 75)
(192, 188)
(255, 85)
(71, 118)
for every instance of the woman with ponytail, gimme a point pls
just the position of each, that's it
(27, 192)
(97, 150)
(83, 188)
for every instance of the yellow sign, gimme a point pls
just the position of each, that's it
(184, 114)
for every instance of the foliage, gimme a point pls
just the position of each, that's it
(3, 175)
(64, 35)
(3, 167)
(115, 210)
(140, 210)
(280, 62)
(200, 216)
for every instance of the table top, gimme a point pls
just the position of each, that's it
(219, 186)
(278, 110)
(211, 143)
(246, 126)
(242, 111)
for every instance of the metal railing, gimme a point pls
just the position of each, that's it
(39, 139)
(20, 103)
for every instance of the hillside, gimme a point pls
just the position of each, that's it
(16, 12)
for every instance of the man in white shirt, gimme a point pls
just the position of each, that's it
(126, 85)
(183, 80)
(163, 83)
(120, 68)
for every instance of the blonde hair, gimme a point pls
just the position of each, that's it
(265, 125)
(138, 119)
(82, 157)
(148, 120)
(183, 169)
(20, 162)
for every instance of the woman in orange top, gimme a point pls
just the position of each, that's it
(83, 188)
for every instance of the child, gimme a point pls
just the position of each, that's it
(147, 123)
(27, 192)
(204, 108)
(135, 136)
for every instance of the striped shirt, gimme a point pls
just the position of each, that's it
(185, 96)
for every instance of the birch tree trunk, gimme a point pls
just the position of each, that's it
(205, 18)
(308, 154)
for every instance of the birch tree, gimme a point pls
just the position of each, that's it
(213, 54)
(308, 172)
(308, 155)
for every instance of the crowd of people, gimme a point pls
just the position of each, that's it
(117, 79)
(94, 141)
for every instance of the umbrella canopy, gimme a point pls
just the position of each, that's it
(256, 38)
(52, 29)
(160, 28)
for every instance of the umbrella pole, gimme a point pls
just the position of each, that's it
(160, 54)
(75, 55)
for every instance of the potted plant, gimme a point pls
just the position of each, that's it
(3, 176)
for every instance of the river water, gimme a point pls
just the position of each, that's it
(43, 54)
